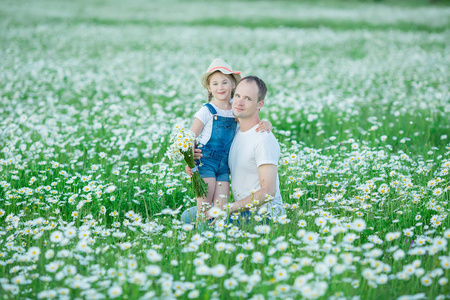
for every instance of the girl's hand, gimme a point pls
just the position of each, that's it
(197, 153)
(264, 126)
(188, 170)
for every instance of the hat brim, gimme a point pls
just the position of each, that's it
(204, 78)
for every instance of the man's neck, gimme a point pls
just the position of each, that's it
(247, 124)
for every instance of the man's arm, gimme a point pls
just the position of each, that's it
(268, 181)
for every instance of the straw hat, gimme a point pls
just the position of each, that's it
(219, 64)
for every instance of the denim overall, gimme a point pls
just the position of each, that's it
(214, 162)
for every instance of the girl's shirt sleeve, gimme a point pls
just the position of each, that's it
(203, 115)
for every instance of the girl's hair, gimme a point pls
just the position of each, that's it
(210, 96)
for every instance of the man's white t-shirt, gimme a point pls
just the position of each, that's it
(206, 117)
(249, 150)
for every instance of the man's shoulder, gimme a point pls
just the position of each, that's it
(266, 142)
(265, 137)
(255, 138)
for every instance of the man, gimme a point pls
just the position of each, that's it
(253, 158)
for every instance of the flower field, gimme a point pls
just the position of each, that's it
(90, 203)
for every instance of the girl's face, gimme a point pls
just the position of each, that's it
(221, 86)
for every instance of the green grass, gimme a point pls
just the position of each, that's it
(90, 91)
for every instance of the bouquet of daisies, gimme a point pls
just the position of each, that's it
(182, 142)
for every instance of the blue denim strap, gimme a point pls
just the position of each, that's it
(211, 108)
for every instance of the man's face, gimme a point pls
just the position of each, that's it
(245, 101)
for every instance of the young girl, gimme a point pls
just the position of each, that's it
(215, 126)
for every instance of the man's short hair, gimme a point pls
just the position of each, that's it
(262, 88)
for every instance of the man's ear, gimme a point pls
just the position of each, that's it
(260, 104)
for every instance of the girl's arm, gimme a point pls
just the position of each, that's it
(198, 125)
(264, 126)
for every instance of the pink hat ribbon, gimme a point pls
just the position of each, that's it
(234, 72)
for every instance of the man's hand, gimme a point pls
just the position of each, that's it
(268, 181)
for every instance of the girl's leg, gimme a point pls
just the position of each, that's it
(221, 193)
(211, 181)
